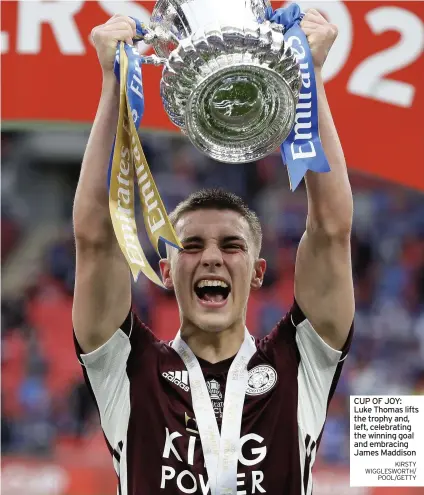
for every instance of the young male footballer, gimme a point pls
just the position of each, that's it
(214, 411)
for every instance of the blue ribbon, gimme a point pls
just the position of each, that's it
(302, 150)
(135, 92)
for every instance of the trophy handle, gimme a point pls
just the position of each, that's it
(153, 60)
(163, 41)
(150, 38)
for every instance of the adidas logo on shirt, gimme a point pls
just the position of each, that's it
(179, 378)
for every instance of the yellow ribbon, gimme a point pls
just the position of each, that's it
(129, 164)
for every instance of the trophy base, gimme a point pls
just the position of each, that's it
(240, 113)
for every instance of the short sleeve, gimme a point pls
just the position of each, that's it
(318, 366)
(105, 372)
(319, 370)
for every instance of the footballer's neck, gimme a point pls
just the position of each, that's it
(214, 346)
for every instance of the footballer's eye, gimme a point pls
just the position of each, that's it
(192, 247)
(233, 247)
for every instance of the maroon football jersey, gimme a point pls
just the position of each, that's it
(142, 390)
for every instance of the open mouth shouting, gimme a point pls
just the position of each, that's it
(212, 292)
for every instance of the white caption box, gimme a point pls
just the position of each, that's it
(386, 440)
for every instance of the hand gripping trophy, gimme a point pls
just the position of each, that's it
(237, 76)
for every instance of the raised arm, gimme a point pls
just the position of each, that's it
(102, 295)
(323, 277)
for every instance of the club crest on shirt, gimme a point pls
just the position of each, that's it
(261, 379)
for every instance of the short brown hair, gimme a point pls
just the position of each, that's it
(219, 199)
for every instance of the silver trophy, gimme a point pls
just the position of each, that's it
(230, 82)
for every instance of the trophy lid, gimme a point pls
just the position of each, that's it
(174, 20)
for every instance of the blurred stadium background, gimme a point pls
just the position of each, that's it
(50, 436)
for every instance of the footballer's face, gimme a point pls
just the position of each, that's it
(214, 273)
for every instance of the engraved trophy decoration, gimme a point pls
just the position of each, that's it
(230, 82)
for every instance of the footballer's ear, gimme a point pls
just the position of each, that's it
(258, 274)
(165, 270)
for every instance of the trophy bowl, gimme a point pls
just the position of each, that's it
(229, 82)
